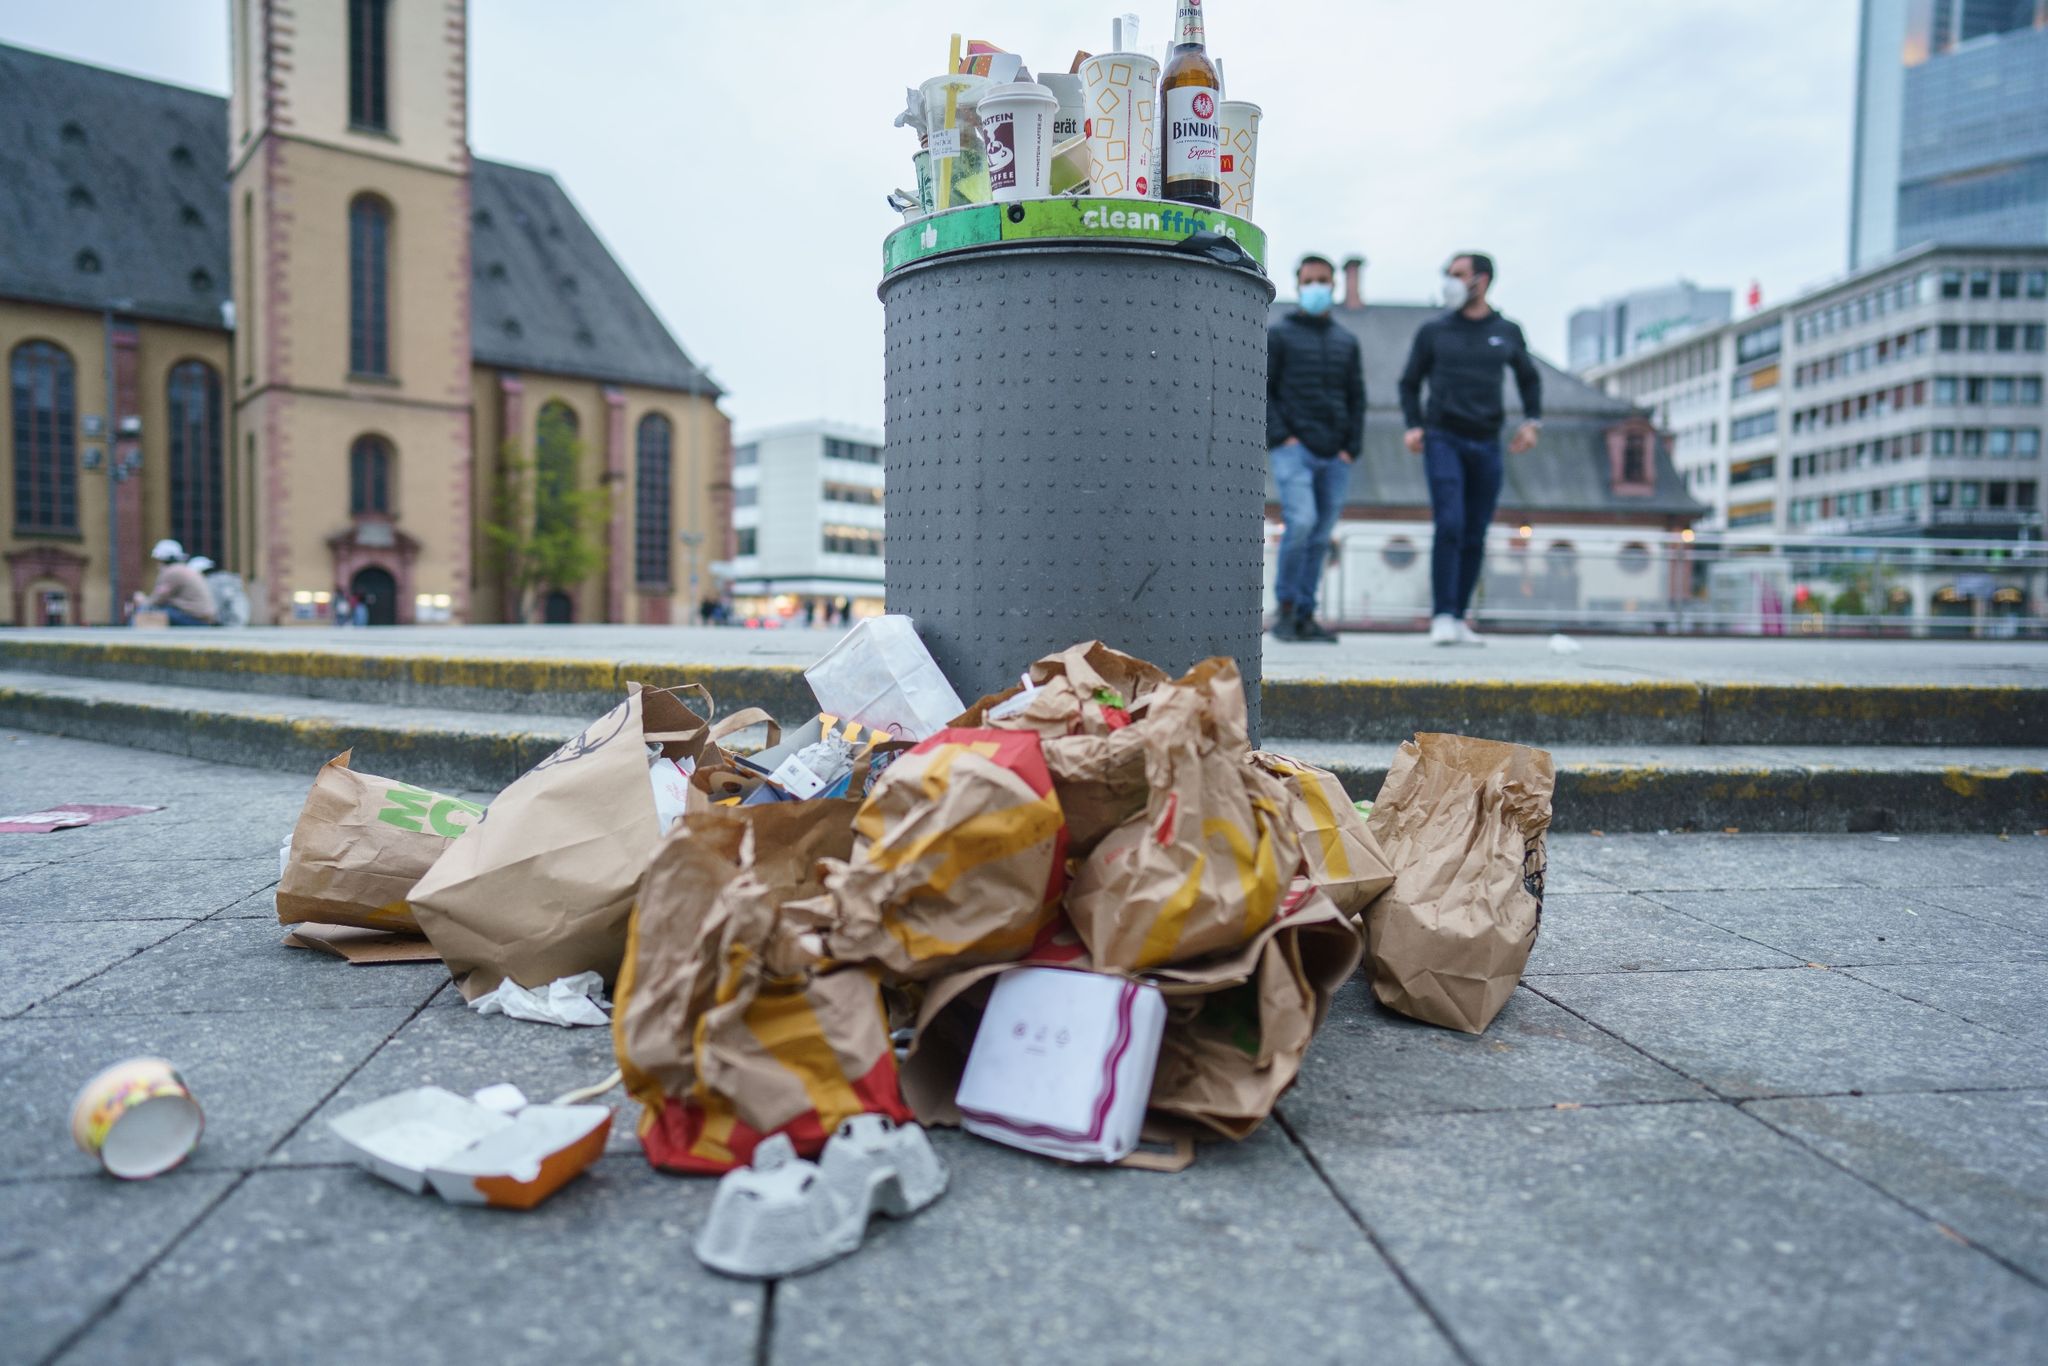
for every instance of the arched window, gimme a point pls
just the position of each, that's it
(198, 488)
(369, 265)
(554, 468)
(369, 476)
(650, 502)
(44, 425)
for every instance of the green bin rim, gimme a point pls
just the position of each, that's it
(1079, 220)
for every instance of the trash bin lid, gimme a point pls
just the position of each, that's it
(1083, 220)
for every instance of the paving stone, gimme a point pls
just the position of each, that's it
(1977, 1161)
(1962, 860)
(1710, 862)
(1627, 932)
(1566, 875)
(1796, 1031)
(2007, 997)
(236, 965)
(255, 906)
(1862, 925)
(2020, 908)
(332, 1264)
(461, 1050)
(69, 1247)
(255, 1074)
(148, 889)
(1665, 1232)
(16, 869)
(1368, 1060)
(1023, 1261)
(193, 829)
(41, 963)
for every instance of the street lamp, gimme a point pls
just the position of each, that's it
(691, 540)
(118, 470)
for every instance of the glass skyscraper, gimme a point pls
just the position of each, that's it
(1951, 125)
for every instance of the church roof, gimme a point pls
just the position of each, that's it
(114, 189)
(1568, 473)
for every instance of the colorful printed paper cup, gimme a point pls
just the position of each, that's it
(1121, 93)
(138, 1118)
(1238, 155)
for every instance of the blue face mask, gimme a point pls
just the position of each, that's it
(1317, 297)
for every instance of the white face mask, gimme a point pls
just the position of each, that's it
(1456, 292)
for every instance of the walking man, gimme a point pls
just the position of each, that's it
(1462, 355)
(1315, 423)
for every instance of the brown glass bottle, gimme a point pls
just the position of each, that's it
(1189, 93)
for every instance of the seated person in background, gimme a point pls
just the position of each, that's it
(180, 591)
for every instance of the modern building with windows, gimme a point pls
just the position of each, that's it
(807, 522)
(1951, 125)
(342, 350)
(1642, 319)
(1906, 399)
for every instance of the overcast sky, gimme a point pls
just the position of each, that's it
(736, 156)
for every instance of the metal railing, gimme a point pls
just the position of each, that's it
(1624, 580)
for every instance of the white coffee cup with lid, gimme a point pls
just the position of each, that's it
(1017, 124)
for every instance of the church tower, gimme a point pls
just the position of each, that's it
(349, 167)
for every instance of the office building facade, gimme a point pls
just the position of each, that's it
(1906, 399)
(807, 522)
(1642, 319)
(1951, 126)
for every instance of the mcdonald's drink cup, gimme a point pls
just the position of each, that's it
(138, 1118)
(1238, 155)
(1017, 121)
(1121, 92)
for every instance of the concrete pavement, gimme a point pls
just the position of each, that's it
(1759, 1098)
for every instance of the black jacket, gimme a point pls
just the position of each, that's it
(1463, 359)
(1315, 384)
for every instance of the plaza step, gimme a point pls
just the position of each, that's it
(1613, 787)
(1586, 710)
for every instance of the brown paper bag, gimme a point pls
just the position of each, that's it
(1343, 857)
(729, 1026)
(1462, 823)
(1081, 714)
(1203, 869)
(360, 845)
(541, 888)
(959, 857)
(1238, 1025)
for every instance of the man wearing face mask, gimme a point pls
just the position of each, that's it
(1315, 422)
(1462, 355)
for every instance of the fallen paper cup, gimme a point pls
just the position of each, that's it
(1121, 92)
(1237, 158)
(1017, 120)
(138, 1118)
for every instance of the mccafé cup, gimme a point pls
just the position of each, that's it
(1016, 124)
(1121, 92)
(137, 1117)
(1238, 154)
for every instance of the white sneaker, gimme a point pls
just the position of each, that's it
(1468, 636)
(1443, 630)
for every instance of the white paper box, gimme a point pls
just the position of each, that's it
(880, 675)
(402, 1135)
(1062, 1063)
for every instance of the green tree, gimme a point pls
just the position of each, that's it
(545, 532)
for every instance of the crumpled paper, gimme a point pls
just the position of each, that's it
(566, 1001)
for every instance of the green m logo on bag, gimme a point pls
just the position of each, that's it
(418, 810)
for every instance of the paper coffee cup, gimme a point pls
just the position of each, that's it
(1066, 125)
(1016, 124)
(1121, 92)
(1238, 155)
(137, 1117)
(959, 170)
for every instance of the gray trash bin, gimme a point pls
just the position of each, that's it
(1076, 450)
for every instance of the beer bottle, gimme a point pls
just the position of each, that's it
(1190, 91)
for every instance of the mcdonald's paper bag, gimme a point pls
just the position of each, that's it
(540, 889)
(959, 857)
(1462, 822)
(361, 844)
(1343, 857)
(1203, 868)
(728, 1024)
(1238, 1025)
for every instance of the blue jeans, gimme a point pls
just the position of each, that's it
(1464, 488)
(180, 617)
(1311, 497)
